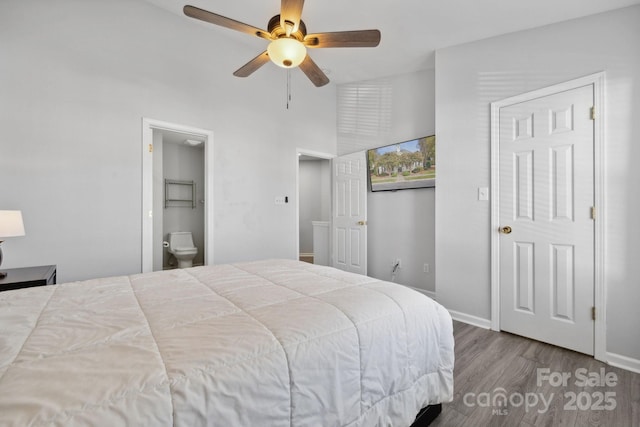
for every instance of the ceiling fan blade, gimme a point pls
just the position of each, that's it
(290, 12)
(362, 38)
(314, 72)
(251, 66)
(223, 21)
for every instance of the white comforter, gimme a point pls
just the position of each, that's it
(273, 343)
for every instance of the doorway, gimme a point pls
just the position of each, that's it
(177, 166)
(313, 212)
(546, 238)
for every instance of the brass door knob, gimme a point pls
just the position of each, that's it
(506, 229)
(362, 222)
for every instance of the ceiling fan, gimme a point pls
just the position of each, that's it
(289, 40)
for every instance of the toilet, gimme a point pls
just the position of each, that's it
(182, 247)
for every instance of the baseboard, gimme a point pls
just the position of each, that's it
(471, 320)
(430, 294)
(623, 362)
(310, 255)
(456, 315)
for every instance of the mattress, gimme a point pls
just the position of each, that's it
(267, 343)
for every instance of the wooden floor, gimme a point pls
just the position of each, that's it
(490, 365)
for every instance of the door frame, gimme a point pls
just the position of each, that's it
(598, 82)
(148, 126)
(319, 155)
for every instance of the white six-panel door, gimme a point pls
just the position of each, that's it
(546, 179)
(350, 213)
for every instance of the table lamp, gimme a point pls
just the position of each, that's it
(11, 225)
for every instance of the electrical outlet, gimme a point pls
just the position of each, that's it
(425, 268)
(280, 200)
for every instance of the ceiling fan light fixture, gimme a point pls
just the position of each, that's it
(287, 52)
(289, 39)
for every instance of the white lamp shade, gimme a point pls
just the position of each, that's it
(286, 52)
(11, 224)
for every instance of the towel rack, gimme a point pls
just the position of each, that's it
(179, 194)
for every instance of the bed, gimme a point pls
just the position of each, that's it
(266, 343)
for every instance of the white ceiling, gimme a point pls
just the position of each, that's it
(411, 29)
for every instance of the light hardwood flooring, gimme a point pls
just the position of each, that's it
(488, 361)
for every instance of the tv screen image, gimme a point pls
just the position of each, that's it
(402, 166)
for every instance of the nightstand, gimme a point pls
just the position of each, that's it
(28, 277)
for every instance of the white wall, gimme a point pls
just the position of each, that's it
(77, 78)
(468, 78)
(315, 198)
(401, 224)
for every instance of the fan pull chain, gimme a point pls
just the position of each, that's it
(288, 87)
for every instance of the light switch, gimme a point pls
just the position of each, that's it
(483, 193)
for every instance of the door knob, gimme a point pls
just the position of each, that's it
(362, 222)
(506, 229)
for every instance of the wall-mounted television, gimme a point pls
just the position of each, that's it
(402, 166)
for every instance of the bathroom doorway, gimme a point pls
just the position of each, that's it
(177, 193)
(178, 196)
